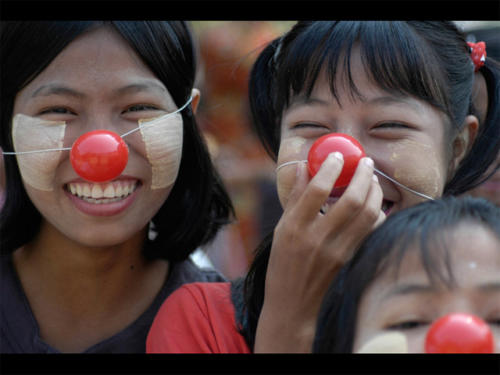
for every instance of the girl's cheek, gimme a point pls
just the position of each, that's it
(291, 149)
(30, 134)
(418, 166)
(163, 139)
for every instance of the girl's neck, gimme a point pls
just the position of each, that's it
(72, 288)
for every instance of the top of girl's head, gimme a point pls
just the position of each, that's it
(400, 57)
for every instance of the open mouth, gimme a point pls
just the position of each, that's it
(102, 193)
(387, 206)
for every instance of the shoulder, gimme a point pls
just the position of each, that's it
(198, 298)
(188, 272)
(197, 318)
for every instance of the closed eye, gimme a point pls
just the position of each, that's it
(57, 110)
(392, 125)
(308, 125)
(410, 324)
(495, 322)
(141, 107)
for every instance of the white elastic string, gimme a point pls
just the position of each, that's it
(169, 114)
(376, 170)
(36, 151)
(69, 148)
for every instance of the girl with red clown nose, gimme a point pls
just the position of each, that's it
(109, 185)
(403, 91)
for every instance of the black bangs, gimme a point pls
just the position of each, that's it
(395, 57)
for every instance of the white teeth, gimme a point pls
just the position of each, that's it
(96, 191)
(86, 191)
(109, 192)
(102, 193)
(118, 190)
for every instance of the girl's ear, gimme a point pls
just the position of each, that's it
(464, 141)
(195, 93)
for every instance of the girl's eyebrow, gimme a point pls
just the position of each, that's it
(299, 100)
(54, 89)
(405, 289)
(394, 100)
(142, 86)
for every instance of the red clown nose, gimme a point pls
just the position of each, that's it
(348, 146)
(99, 155)
(459, 333)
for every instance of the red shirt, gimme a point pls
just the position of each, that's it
(197, 318)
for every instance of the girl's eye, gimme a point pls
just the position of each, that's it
(141, 107)
(57, 110)
(392, 125)
(410, 324)
(308, 125)
(494, 322)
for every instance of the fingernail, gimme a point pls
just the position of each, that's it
(368, 162)
(338, 155)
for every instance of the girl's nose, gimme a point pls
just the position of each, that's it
(99, 155)
(459, 333)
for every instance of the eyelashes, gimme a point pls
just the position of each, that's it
(407, 325)
(66, 111)
(57, 111)
(381, 126)
(141, 107)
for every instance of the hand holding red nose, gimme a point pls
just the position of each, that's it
(348, 146)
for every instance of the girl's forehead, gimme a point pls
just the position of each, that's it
(464, 248)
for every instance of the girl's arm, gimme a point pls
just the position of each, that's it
(308, 250)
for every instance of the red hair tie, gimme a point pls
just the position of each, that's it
(477, 54)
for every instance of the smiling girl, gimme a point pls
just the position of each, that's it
(86, 265)
(403, 90)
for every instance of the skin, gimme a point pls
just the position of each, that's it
(310, 247)
(95, 279)
(386, 307)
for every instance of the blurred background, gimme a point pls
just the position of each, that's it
(227, 50)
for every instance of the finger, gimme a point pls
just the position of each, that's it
(354, 197)
(364, 222)
(301, 180)
(355, 230)
(320, 187)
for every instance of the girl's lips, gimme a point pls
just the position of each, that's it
(102, 206)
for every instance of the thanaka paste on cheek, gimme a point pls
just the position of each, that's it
(426, 178)
(163, 138)
(30, 134)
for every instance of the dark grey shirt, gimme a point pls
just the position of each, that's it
(19, 331)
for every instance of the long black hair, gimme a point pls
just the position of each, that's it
(428, 60)
(427, 224)
(198, 204)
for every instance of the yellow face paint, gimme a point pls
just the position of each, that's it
(30, 134)
(428, 179)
